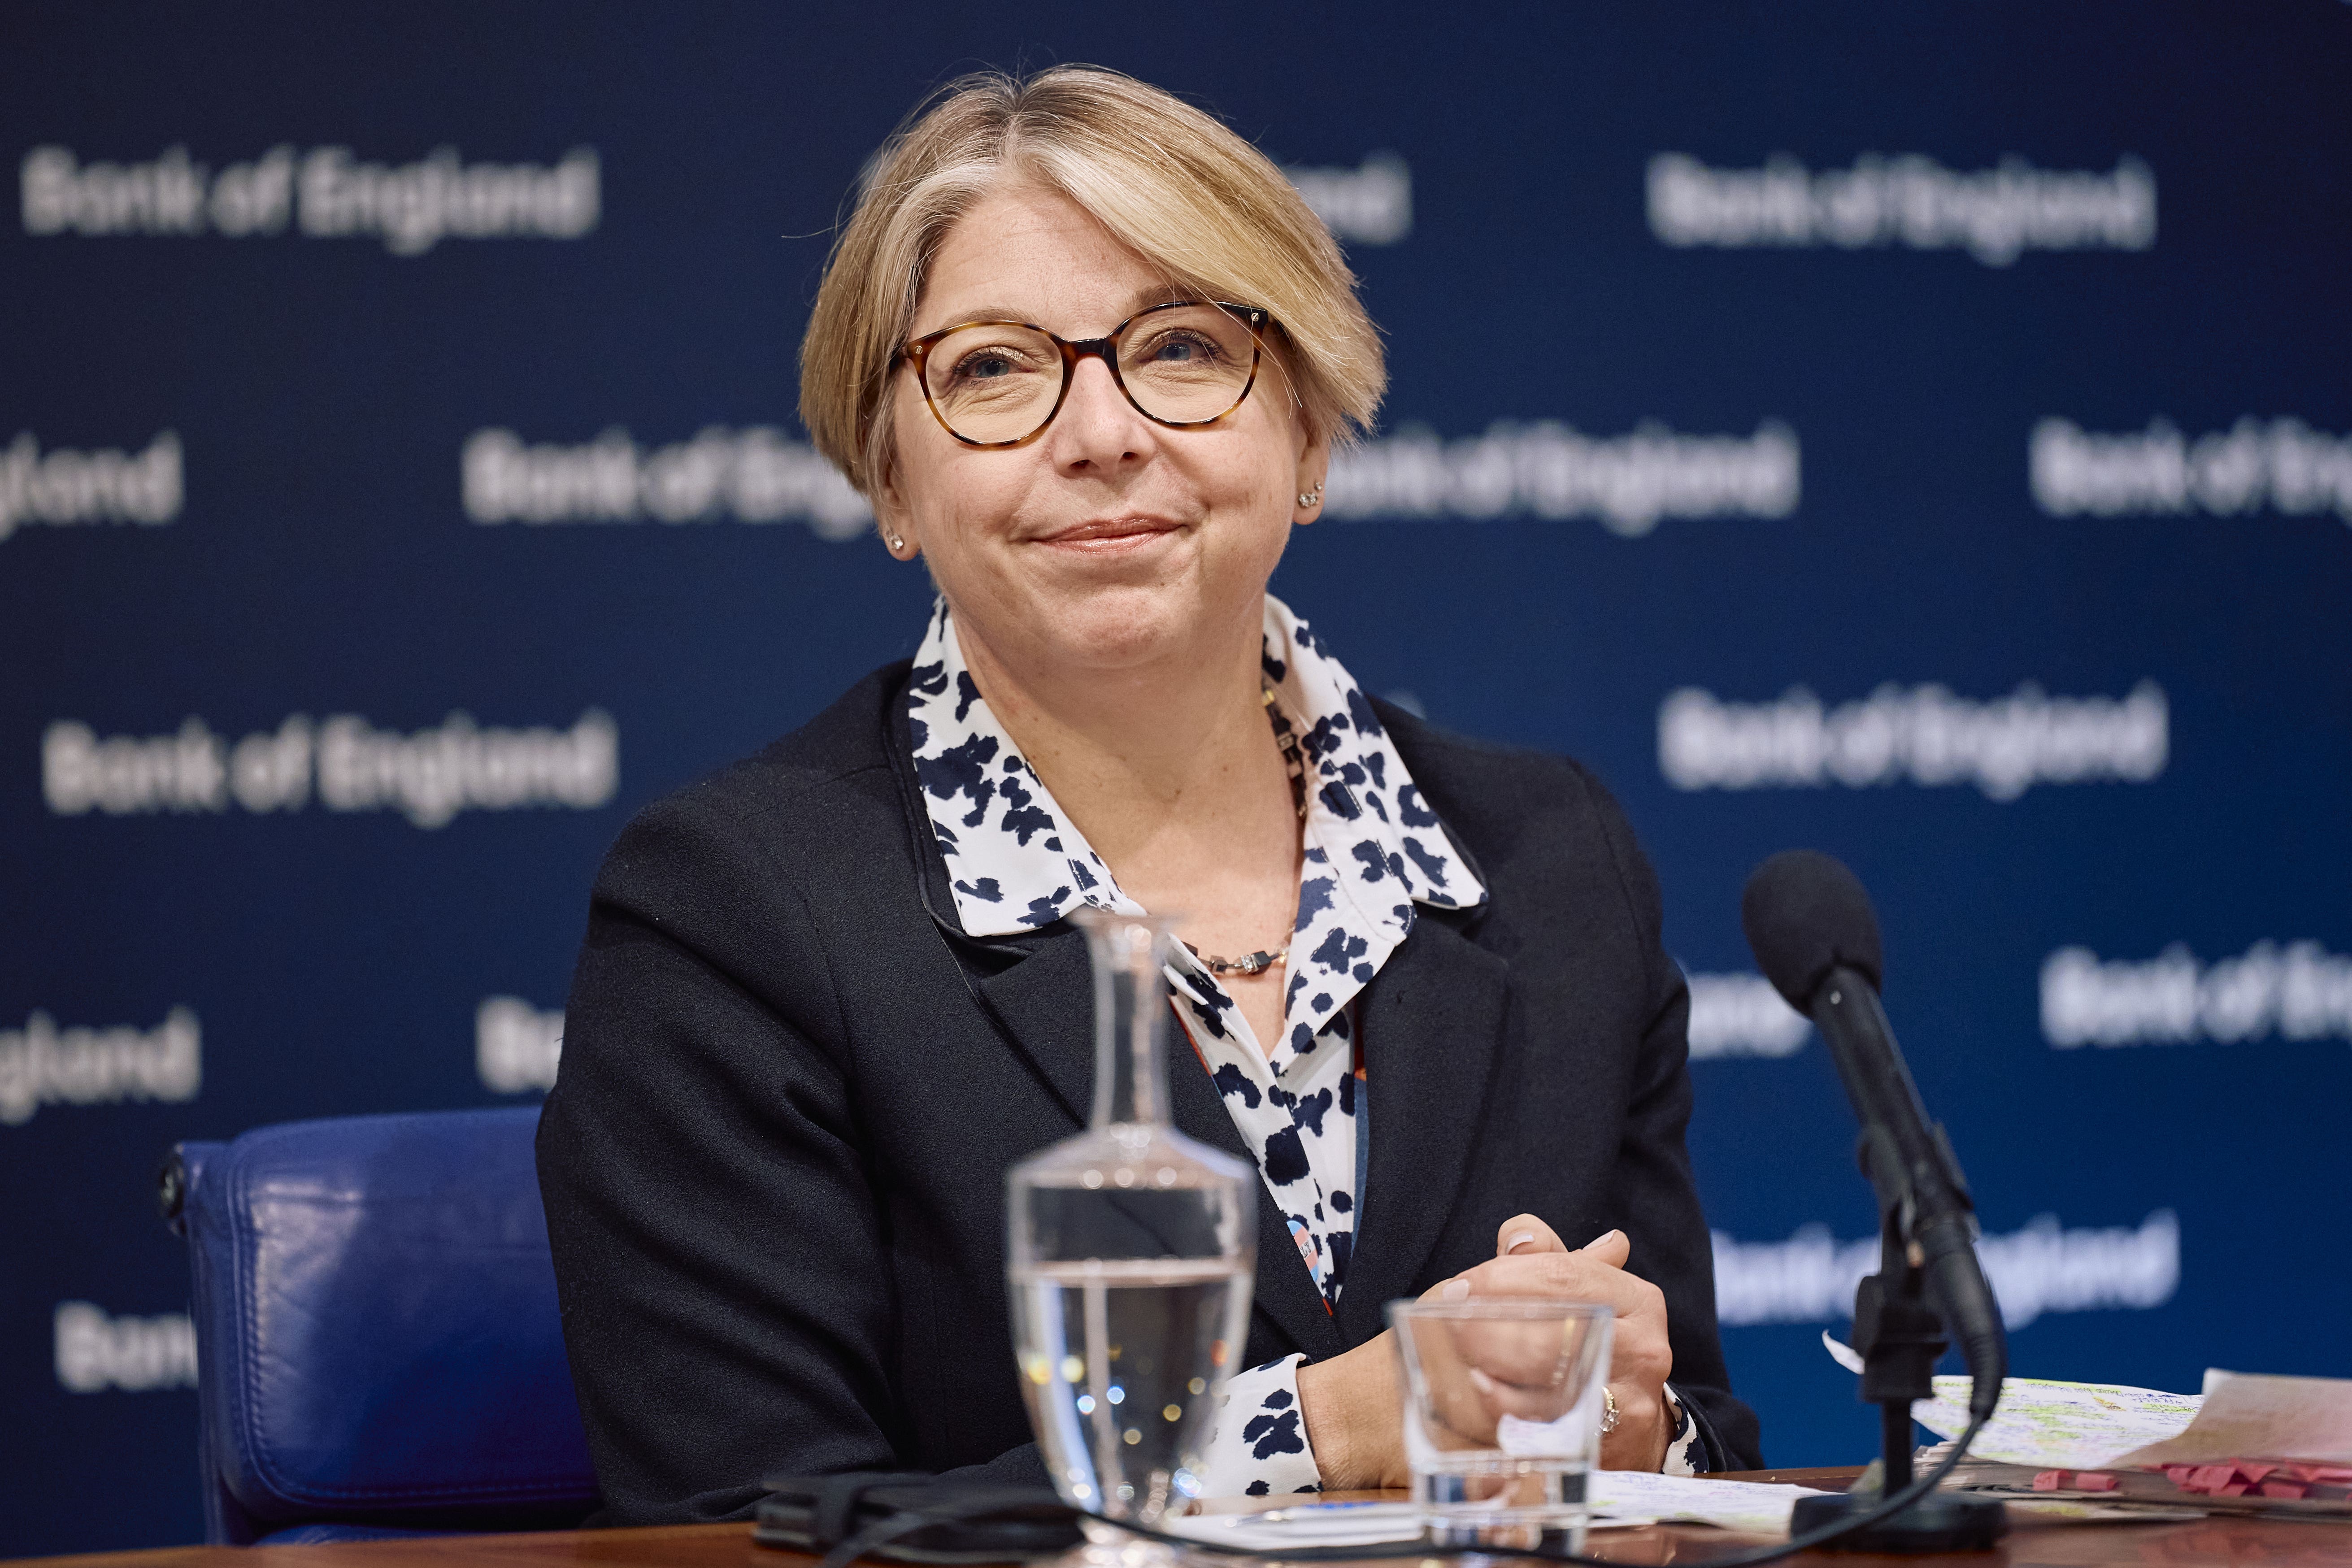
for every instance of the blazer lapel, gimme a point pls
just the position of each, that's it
(1432, 1021)
(1044, 1004)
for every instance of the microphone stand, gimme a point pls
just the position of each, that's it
(1900, 1338)
(1897, 1330)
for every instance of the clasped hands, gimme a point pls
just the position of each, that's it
(1353, 1404)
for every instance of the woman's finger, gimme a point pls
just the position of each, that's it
(1641, 1350)
(1523, 1232)
(1563, 1276)
(1546, 1401)
(1612, 1247)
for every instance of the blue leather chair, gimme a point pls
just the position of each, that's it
(378, 1347)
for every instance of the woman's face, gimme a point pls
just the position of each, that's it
(1108, 542)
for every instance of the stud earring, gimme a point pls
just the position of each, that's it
(895, 543)
(1309, 500)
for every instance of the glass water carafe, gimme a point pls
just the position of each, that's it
(1130, 1257)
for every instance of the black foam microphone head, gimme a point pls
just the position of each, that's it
(1804, 912)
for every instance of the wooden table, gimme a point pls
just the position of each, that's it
(2030, 1544)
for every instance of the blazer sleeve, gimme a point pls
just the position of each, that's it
(719, 1249)
(1656, 1191)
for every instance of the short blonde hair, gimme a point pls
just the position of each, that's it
(1167, 180)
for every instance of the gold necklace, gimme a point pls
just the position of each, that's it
(1256, 963)
(1287, 738)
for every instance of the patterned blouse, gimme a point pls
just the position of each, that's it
(1372, 851)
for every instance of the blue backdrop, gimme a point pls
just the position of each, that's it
(1916, 432)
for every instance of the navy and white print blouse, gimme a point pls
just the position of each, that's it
(1373, 850)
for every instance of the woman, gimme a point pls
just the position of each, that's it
(1088, 354)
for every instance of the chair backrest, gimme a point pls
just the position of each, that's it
(377, 1337)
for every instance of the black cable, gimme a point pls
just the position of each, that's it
(908, 1521)
(1885, 1509)
(881, 1533)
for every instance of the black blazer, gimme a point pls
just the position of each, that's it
(774, 1160)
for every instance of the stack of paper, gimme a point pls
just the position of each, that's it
(1619, 1499)
(2060, 1425)
(2247, 1442)
(1635, 1495)
(1306, 1524)
(2101, 1427)
(2253, 1417)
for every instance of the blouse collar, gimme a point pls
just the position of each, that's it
(1016, 862)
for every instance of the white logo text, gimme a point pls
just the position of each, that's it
(44, 1065)
(1742, 1015)
(64, 487)
(752, 475)
(1994, 214)
(428, 776)
(2158, 472)
(323, 193)
(1549, 470)
(516, 1045)
(96, 1352)
(1371, 203)
(1811, 1276)
(2301, 991)
(1925, 735)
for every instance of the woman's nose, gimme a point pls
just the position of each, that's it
(1097, 426)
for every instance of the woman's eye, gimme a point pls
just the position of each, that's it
(982, 367)
(1180, 349)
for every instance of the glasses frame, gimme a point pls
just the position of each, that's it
(917, 354)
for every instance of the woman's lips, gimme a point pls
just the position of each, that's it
(1111, 535)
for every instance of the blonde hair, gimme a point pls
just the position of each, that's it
(1167, 180)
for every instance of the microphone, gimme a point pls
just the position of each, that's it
(1815, 938)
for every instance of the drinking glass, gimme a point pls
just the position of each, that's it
(1132, 1258)
(1502, 1415)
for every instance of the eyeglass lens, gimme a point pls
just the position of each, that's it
(1184, 365)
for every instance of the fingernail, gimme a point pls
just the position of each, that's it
(1517, 1242)
(1482, 1383)
(1604, 1236)
(1454, 1291)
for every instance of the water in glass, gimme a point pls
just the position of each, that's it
(1130, 1261)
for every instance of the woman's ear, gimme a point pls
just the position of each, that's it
(893, 517)
(1314, 468)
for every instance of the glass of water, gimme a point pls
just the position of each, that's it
(1129, 1255)
(1502, 1415)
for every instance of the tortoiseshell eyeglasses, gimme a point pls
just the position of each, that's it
(1000, 383)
